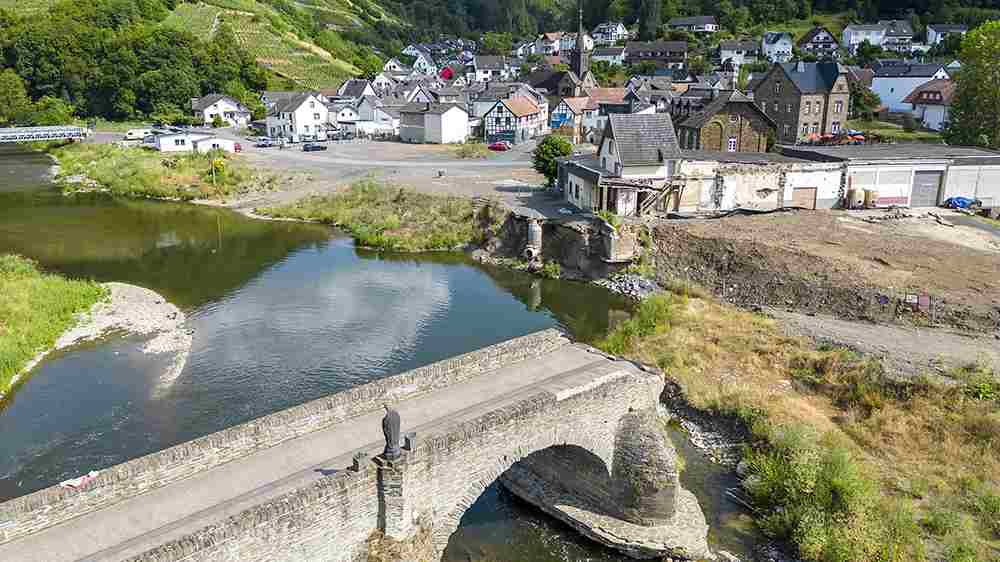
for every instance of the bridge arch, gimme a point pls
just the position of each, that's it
(599, 443)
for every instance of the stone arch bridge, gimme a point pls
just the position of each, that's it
(309, 484)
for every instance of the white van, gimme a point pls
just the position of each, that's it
(137, 134)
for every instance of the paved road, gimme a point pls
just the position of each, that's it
(137, 525)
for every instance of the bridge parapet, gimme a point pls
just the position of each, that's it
(38, 134)
(51, 506)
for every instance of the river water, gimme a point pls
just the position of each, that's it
(282, 313)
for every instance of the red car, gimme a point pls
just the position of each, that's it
(500, 146)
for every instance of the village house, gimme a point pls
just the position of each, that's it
(695, 24)
(373, 118)
(898, 35)
(435, 123)
(231, 112)
(515, 120)
(936, 32)
(342, 115)
(635, 160)
(730, 122)
(485, 100)
(568, 42)
(738, 52)
(522, 49)
(856, 34)
(615, 56)
(567, 118)
(383, 82)
(931, 103)
(819, 42)
(610, 33)
(894, 80)
(423, 60)
(299, 117)
(776, 46)
(548, 43)
(491, 67)
(394, 65)
(355, 89)
(667, 54)
(805, 100)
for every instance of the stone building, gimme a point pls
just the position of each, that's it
(730, 122)
(820, 42)
(805, 100)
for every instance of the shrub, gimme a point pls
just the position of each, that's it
(652, 315)
(940, 522)
(551, 270)
(472, 150)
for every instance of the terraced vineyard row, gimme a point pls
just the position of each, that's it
(196, 18)
(286, 56)
(25, 6)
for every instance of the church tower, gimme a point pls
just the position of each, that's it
(580, 64)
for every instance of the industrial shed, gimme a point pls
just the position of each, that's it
(978, 178)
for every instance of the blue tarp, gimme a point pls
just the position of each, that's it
(958, 202)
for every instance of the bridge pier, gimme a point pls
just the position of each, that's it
(396, 486)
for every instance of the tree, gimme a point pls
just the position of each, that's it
(544, 158)
(14, 100)
(497, 43)
(649, 19)
(975, 110)
(50, 111)
(864, 102)
(644, 68)
(699, 65)
(866, 53)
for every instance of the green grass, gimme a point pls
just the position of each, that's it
(196, 18)
(893, 130)
(847, 462)
(392, 218)
(25, 7)
(475, 150)
(138, 172)
(105, 126)
(35, 309)
(286, 55)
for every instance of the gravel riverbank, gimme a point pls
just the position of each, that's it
(133, 310)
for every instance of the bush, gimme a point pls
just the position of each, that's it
(217, 122)
(472, 150)
(551, 270)
(653, 315)
(546, 154)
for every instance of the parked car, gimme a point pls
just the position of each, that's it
(500, 146)
(237, 147)
(264, 143)
(312, 147)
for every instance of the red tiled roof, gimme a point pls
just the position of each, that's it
(521, 106)
(935, 92)
(577, 104)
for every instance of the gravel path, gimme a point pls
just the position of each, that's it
(903, 350)
(133, 310)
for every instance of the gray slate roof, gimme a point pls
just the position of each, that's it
(814, 78)
(948, 27)
(608, 51)
(644, 139)
(747, 45)
(772, 37)
(897, 28)
(724, 98)
(291, 103)
(432, 108)
(353, 88)
(693, 20)
(489, 62)
(906, 70)
(888, 152)
(205, 102)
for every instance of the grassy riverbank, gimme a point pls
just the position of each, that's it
(849, 465)
(137, 172)
(389, 217)
(35, 309)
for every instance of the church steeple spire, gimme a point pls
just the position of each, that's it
(581, 59)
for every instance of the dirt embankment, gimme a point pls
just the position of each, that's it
(834, 263)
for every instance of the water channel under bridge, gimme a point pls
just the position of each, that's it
(308, 483)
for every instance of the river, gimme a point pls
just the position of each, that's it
(281, 313)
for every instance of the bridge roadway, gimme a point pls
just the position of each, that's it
(139, 524)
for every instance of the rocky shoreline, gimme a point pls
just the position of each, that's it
(133, 310)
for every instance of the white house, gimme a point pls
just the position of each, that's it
(342, 115)
(355, 89)
(515, 120)
(423, 61)
(374, 118)
(548, 43)
(567, 42)
(522, 49)
(894, 80)
(695, 24)
(931, 102)
(936, 32)
(393, 65)
(776, 46)
(615, 56)
(489, 68)
(302, 116)
(209, 144)
(898, 35)
(437, 123)
(856, 34)
(232, 112)
(382, 82)
(178, 142)
(739, 52)
(609, 33)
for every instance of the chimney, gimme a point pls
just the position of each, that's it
(800, 66)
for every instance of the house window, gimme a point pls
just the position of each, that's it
(819, 108)
(835, 127)
(808, 107)
(777, 88)
(775, 107)
(805, 128)
(815, 127)
(577, 191)
(786, 130)
(179, 142)
(604, 163)
(306, 128)
(788, 108)
(732, 144)
(838, 107)
(315, 116)
(312, 104)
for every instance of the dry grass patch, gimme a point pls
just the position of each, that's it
(894, 453)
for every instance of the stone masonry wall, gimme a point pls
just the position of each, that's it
(31, 513)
